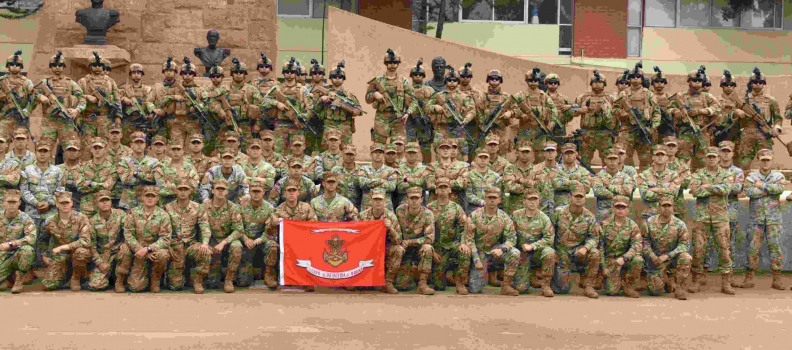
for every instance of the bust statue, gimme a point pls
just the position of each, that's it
(97, 20)
(211, 55)
(438, 69)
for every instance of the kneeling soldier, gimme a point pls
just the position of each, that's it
(417, 223)
(535, 236)
(452, 252)
(393, 248)
(108, 246)
(666, 250)
(71, 232)
(493, 238)
(258, 217)
(147, 232)
(16, 251)
(621, 245)
(187, 219)
(225, 220)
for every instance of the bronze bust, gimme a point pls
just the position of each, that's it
(438, 69)
(211, 55)
(97, 20)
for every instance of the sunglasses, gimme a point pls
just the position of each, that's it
(337, 77)
(620, 207)
(58, 65)
(216, 76)
(531, 80)
(622, 83)
(264, 66)
(466, 76)
(553, 83)
(188, 73)
(290, 72)
(666, 205)
(759, 83)
(196, 142)
(317, 73)
(452, 80)
(697, 80)
(418, 75)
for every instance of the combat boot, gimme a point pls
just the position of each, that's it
(198, 284)
(734, 283)
(30, 276)
(582, 282)
(589, 290)
(749, 279)
(493, 279)
(726, 287)
(309, 289)
(629, 288)
(643, 283)
(423, 288)
(546, 290)
(696, 283)
(269, 277)
(703, 280)
(506, 287)
(154, 287)
(777, 284)
(390, 275)
(460, 280)
(451, 278)
(77, 273)
(680, 292)
(228, 287)
(120, 283)
(535, 281)
(19, 283)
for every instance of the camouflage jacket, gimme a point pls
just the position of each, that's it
(517, 180)
(339, 208)
(260, 222)
(20, 229)
(620, 241)
(188, 223)
(94, 178)
(301, 212)
(547, 180)
(70, 177)
(671, 238)
(333, 112)
(451, 224)
(532, 105)
(328, 161)
(262, 171)
(498, 164)
(147, 231)
(76, 233)
(90, 85)
(712, 204)
(456, 172)
(737, 187)
(488, 233)
(116, 154)
(769, 110)
(25, 93)
(652, 184)
(697, 100)
(348, 184)
(28, 159)
(246, 100)
(307, 191)
(643, 100)
(277, 161)
(565, 177)
(416, 229)
(10, 175)
(477, 183)
(369, 178)
(599, 115)
(66, 90)
(764, 206)
(37, 186)
(107, 235)
(201, 164)
(166, 175)
(225, 223)
(464, 103)
(606, 186)
(237, 183)
(295, 94)
(312, 168)
(575, 230)
(394, 230)
(536, 230)
(136, 93)
(397, 91)
(410, 177)
(133, 172)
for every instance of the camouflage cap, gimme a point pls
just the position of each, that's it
(568, 147)
(577, 187)
(532, 193)
(765, 154)
(298, 139)
(103, 194)
(376, 146)
(292, 183)
(414, 191)
(115, 127)
(623, 200)
(136, 67)
(441, 141)
(16, 58)
(20, 133)
(378, 193)
(267, 134)
(482, 153)
(149, 189)
(552, 77)
(413, 147)
(176, 143)
(390, 148)
(665, 199)
(63, 197)
(216, 70)
(492, 190)
(550, 145)
(612, 152)
(170, 65)
(71, 144)
(466, 70)
(256, 184)
(45, 143)
(295, 162)
(184, 182)
(391, 57)
(712, 150)
(15, 194)
(196, 137)
(159, 139)
(332, 134)
(398, 140)
(726, 145)
(670, 140)
(220, 183)
(255, 143)
(231, 135)
(443, 181)
(264, 60)
(328, 174)
(94, 141)
(493, 138)
(350, 149)
(659, 149)
(188, 66)
(138, 135)
(57, 59)
(524, 145)
(226, 153)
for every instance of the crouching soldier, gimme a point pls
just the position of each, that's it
(187, 223)
(393, 248)
(108, 246)
(451, 250)
(417, 223)
(147, 232)
(225, 222)
(666, 248)
(70, 232)
(535, 236)
(621, 249)
(258, 218)
(493, 239)
(16, 251)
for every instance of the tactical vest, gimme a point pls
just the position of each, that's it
(639, 99)
(764, 102)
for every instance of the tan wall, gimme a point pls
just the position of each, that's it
(717, 45)
(359, 41)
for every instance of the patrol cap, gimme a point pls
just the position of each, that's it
(726, 145)
(412, 147)
(659, 149)
(177, 143)
(569, 147)
(227, 154)
(623, 200)
(493, 139)
(378, 193)
(443, 181)
(765, 154)
(612, 152)
(256, 184)
(414, 191)
(220, 184)
(292, 183)
(63, 197)
(149, 189)
(524, 146)
(158, 139)
(295, 162)
(327, 174)
(232, 135)
(712, 151)
(75, 144)
(333, 134)
(398, 140)
(670, 140)
(376, 146)
(44, 144)
(492, 191)
(532, 193)
(15, 194)
(94, 141)
(138, 135)
(103, 194)
(350, 149)
(298, 139)
(390, 148)
(267, 134)
(254, 143)
(184, 182)
(550, 146)
(115, 127)
(196, 137)
(666, 199)
(20, 133)
(482, 153)
(577, 187)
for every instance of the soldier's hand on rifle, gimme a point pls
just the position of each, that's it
(280, 106)
(437, 108)
(581, 252)
(178, 98)
(583, 110)
(91, 98)
(506, 115)
(126, 101)
(404, 118)
(159, 112)
(104, 268)
(249, 243)
(44, 100)
(703, 111)
(72, 113)
(527, 247)
(620, 261)
(497, 252)
(464, 249)
(662, 258)
(325, 99)
(378, 96)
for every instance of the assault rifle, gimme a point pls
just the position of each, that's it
(577, 139)
(488, 124)
(452, 109)
(115, 108)
(17, 112)
(298, 116)
(60, 111)
(200, 110)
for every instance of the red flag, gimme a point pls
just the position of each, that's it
(332, 254)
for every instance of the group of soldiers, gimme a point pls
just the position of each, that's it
(110, 196)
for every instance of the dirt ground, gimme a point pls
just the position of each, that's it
(256, 318)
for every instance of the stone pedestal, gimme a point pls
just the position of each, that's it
(77, 60)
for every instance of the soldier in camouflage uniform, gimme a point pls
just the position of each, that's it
(69, 94)
(15, 87)
(700, 108)
(19, 151)
(95, 175)
(479, 179)
(451, 251)
(312, 169)
(213, 97)
(189, 224)
(496, 100)
(265, 80)
(418, 229)
(763, 187)
(569, 171)
(535, 235)
(621, 245)
(97, 116)
(10, 169)
(16, 252)
(256, 168)
(609, 183)
(640, 99)
(331, 206)
(278, 101)
(465, 78)
(622, 83)
(135, 170)
(108, 246)
(453, 122)
(39, 183)
(564, 106)
(185, 121)
(419, 126)
(258, 218)
(666, 246)
(683, 173)
(158, 147)
(237, 188)
(727, 126)
(116, 151)
(752, 137)
(242, 103)
(340, 106)
(133, 95)
(629, 169)
(448, 167)
(201, 162)
(332, 154)
(656, 181)
(596, 118)
(413, 172)
(347, 175)
(663, 99)
(164, 99)
(316, 88)
(293, 209)
(172, 169)
(392, 98)
(147, 232)
(393, 249)
(307, 188)
(71, 170)
(518, 178)
(577, 238)
(375, 175)
(547, 178)
(711, 187)
(536, 111)
(493, 239)
(70, 233)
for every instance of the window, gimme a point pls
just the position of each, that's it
(503, 10)
(717, 14)
(565, 11)
(633, 42)
(318, 6)
(634, 17)
(480, 10)
(294, 8)
(661, 13)
(694, 13)
(762, 16)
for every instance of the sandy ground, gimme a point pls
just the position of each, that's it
(329, 319)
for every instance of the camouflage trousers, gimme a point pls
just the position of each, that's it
(100, 127)
(680, 209)
(751, 141)
(770, 234)
(421, 132)
(702, 232)
(58, 130)
(211, 137)
(393, 258)
(216, 265)
(479, 277)
(342, 126)
(20, 259)
(9, 123)
(42, 243)
(689, 141)
(178, 271)
(143, 267)
(99, 280)
(635, 143)
(513, 202)
(613, 273)
(313, 143)
(568, 262)
(283, 131)
(711, 253)
(679, 266)
(63, 265)
(385, 128)
(182, 127)
(595, 140)
(449, 259)
(604, 208)
(247, 271)
(542, 260)
(414, 261)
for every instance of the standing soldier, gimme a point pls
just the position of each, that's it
(763, 187)
(418, 228)
(108, 248)
(163, 99)
(264, 84)
(452, 252)
(638, 116)
(95, 175)
(535, 236)
(340, 106)
(413, 173)
(665, 250)
(17, 95)
(465, 77)
(695, 110)
(331, 157)
(728, 126)
(71, 170)
(609, 183)
(518, 178)
(576, 242)
(39, 182)
(663, 100)
(683, 174)
(569, 171)
(536, 112)
(293, 209)
(596, 119)
(451, 111)
(393, 249)
(726, 157)
(102, 106)
(213, 97)
(496, 104)
(16, 252)
(133, 171)
(711, 187)
(115, 149)
(763, 120)
(656, 181)
(375, 175)
(547, 179)
(497, 162)
(187, 219)
(316, 88)
(493, 240)
(20, 151)
(133, 96)
(564, 106)
(56, 92)
(479, 179)
(347, 175)
(186, 121)
(331, 206)
(258, 218)
(621, 245)
(171, 170)
(622, 83)
(391, 96)
(70, 233)
(419, 126)
(236, 188)
(242, 102)
(290, 104)
(311, 167)
(629, 169)
(147, 232)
